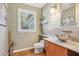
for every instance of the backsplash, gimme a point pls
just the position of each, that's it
(74, 35)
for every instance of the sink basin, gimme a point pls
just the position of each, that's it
(68, 40)
(62, 38)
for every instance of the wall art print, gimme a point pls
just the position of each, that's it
(26, 20)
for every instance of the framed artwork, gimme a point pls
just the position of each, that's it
(26, 20)
(3, 14)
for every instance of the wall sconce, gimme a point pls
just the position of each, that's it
(53, 9)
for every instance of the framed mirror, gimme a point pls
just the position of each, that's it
(68, 14)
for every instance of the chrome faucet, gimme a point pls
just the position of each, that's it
(66, 33)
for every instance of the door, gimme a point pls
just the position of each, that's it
(3, 41)
(3, 30)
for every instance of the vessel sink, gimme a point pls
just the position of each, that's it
(62, 38)
(68, 40)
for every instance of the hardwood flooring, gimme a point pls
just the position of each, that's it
(28, 53)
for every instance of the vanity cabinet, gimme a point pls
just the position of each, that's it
(52, 49)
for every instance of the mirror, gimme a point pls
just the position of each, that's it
(68, 14)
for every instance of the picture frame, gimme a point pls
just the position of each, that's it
(26, 20)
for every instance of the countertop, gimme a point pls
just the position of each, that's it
(69, 45)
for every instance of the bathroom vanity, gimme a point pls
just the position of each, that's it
(68, 21)
(56, 48)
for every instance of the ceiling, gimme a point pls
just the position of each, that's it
(38, 5)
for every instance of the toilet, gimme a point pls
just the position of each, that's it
(38, 47)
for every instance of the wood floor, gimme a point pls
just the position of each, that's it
(38, 54)
(28, 53)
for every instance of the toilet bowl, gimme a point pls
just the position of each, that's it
(38, 47)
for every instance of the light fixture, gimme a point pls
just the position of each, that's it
(53, 9)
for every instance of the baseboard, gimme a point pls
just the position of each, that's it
(23, 52)
(22, 49)
(26, 52)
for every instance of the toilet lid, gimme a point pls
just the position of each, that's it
(38, 45)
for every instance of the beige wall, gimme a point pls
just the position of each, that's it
(77, 14)
(23, 39)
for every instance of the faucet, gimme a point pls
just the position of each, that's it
(64, 36)
(66, 33)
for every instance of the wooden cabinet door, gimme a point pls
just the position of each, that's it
(48, 49)
(54, 50)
